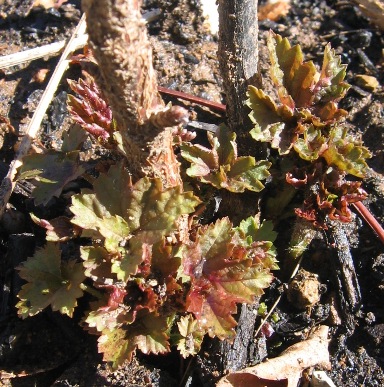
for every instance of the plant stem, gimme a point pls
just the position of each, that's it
(370, 219)
(192, 98)
(238, 54)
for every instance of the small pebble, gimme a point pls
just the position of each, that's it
(367, 82)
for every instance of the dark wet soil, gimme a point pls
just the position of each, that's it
(52, 350)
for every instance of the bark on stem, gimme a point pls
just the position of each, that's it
(238, 56)
(238, 59)
(118, 38)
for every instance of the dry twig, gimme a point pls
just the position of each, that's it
(40, 52)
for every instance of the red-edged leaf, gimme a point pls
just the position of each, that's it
(224, 271)
(147, 333)
(221, 167)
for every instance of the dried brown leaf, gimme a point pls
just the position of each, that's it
(288, 366)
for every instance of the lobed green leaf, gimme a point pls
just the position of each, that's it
(50, 282)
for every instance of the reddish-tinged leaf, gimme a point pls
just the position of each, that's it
(147, 333)
(202, 159)
(108, 317)
(312, 144)
(92, 216)
(224, 271)
(346, 152)
(224, 143)
(164, 260)
(49, 282)
(331, 85)
(264, 114)
(280, 48)
(220, 165)
(293, 78)
(153, 209)
(59, 229)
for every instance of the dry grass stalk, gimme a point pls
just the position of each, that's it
(40, 52)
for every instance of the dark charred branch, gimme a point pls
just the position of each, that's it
(238, 57)
(344, 274)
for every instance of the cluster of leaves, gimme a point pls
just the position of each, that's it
(159, 278)
(221, 166)
(306, 120)
(89, 109)
(331, 195)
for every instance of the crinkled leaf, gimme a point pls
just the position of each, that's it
(59, 229)
(332, 77)
(49, 282)
(165, 261)
(222, 275)
(90, 214)
(269, 125)
(310, 146)
(202, 159)
(57, 169)
(346, 152)
(147, 333)
(220, 165)
(131, 218)
(245, 173)
(269, 120)
(113, 189)
(138, 250)
(191, 336)
(224, 143)
(293, 78)
(97, 263)
(154, 209)
(117, 346)
(264, 112)
(254, 232)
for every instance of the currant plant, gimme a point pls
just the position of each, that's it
(158, 277)
(307, 122)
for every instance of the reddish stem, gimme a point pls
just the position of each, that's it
(370, 219)
(359, 206)
(192, 98)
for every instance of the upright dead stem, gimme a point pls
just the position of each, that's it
(238, 55)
